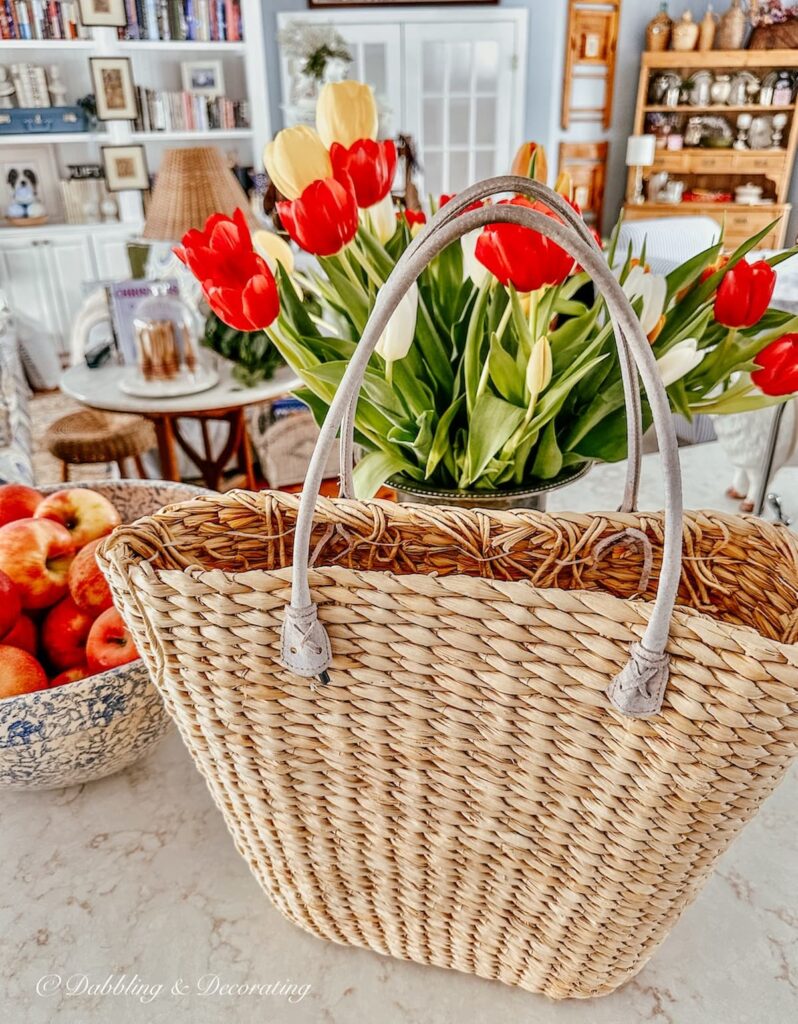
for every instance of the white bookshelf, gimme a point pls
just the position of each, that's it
(155, 65)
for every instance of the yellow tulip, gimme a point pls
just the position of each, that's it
(539, 369)
(295, 159)
(565, 186)
(274, 250)
(346, 112)
(530, 162)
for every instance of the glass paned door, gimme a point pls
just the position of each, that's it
(459, 97)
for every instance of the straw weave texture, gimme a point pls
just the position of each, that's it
(462, 793)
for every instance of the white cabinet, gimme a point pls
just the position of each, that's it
(454, 82)
(45, 275)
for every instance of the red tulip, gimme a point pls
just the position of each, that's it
(369, 165)
(779, 362)
(236, 281)
(324, 218)
(520, 256)
(444, 199)
(412, 217)
(744, 294)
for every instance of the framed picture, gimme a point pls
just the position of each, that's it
(125, 168)
(29, 184)
(114, 90)
(203, 77)
(103, 12)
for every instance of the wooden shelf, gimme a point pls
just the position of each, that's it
(721, 59)
(43, 138)
(177, 136)
(720, 108)
(685, 207)
(65, 45)
(184, 46)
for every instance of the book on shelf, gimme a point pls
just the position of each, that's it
(30, 85)
(202, 21)
(41, 19)
(161, 111)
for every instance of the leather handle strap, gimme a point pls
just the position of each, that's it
(638, 689)
(557, 204)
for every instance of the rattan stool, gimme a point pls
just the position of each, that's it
(90, 436)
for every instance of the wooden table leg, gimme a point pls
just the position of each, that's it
(167, 451)
(246, 462)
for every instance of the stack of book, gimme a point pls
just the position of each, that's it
(83, 197)
(197, 20)
(161, 111)
(41, 19)
(30, 85)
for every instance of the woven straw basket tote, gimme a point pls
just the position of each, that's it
(511, 743)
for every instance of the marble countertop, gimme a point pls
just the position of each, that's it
(132, 883)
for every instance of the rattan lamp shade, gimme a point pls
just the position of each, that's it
(191, 185)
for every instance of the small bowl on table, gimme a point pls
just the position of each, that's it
(86, 730)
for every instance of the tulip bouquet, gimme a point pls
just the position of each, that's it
(499, 368)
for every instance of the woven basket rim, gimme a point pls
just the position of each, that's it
(326, 511)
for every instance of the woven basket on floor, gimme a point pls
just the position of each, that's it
(458, 786)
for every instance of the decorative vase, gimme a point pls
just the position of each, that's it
(731, 28)
(529, 496)
(720, 90)
(709, 26)
(658, 31)
(685, 33)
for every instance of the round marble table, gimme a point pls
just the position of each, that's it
(226, 402)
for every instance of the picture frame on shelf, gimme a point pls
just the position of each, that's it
(125, 168)
(102, 13)
(203, 77)
(29, 176)
(114, 88)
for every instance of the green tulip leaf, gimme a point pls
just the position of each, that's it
(440, 441)
(548, 457)
(491, 425)
(504, 373)
(375, 468)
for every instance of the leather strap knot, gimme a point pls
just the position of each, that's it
(638, 689)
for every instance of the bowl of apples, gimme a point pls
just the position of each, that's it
(76, 702)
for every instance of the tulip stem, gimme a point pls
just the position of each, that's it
(371, 271)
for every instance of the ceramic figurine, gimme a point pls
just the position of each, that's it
(658, 31)
(56, 87)
(25, 204)
(685, 33)
(731, 28)
(709, 26)
(720, 89)
(744, 438)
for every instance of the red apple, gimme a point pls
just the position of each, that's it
(87, 585)
(10, 606)
(36, 554)
(109, 644)
(85, 513)
(70, 675)
(17, 502)
(22, 635)
(20, 672)
(64, 634)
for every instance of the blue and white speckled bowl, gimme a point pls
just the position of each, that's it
(97, 726)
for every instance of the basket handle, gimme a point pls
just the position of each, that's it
(638, 689)
(631, 385)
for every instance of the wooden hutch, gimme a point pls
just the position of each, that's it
(721, 168)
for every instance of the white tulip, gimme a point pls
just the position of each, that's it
(538, 369)
(381, 218)
(678, 361)
(471, 266)
(396, 339)
(651, 288)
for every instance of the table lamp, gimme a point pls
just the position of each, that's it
(191, 185)
(640, 150)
